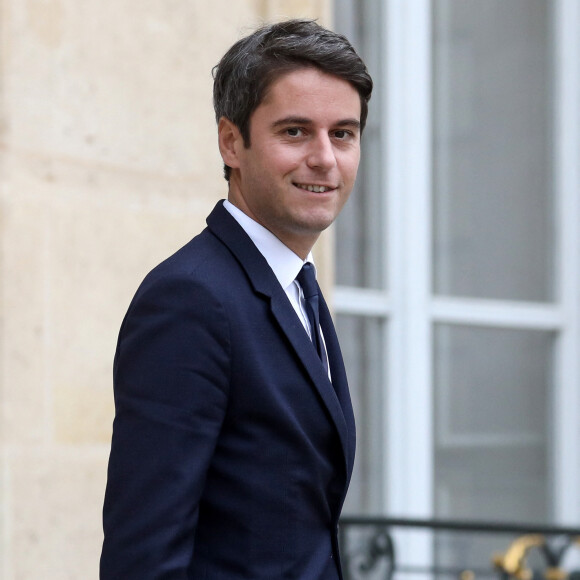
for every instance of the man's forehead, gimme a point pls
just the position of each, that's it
(304, 80)
(306, 92)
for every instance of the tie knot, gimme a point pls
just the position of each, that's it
(307, 280)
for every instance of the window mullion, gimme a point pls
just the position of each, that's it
(566, 450)
(408, 130)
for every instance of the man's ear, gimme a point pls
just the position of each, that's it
(230, 142)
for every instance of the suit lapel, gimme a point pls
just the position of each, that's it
(264, 282)
(292, 327)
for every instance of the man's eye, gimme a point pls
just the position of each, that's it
(294, 132)
(342, 134)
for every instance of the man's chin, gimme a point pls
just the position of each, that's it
(312, 228)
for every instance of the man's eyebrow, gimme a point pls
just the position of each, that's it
(292, 121)
(354, 123)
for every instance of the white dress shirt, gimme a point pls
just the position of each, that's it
(284, 263)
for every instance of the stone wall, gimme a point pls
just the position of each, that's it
(108, 163)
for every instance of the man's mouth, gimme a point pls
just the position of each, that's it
(314, 188)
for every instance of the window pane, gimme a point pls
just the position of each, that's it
(360, 249)
(492, 405)
(493, 178)
(491, 383)
(363, 348)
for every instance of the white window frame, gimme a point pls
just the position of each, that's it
(567, 157)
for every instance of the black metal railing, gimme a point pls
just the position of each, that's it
(465, 550)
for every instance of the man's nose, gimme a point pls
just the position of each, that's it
(321, 154)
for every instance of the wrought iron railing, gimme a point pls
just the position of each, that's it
(460, 549)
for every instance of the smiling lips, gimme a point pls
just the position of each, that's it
(314, 188)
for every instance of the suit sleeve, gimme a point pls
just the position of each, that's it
(171, 387)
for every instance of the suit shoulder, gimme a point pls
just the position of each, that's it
(203, 266)
(200, 257)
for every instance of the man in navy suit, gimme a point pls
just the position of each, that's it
(234, 437)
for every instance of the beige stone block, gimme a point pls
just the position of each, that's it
(120, 82)
(323, 254)
(55, 514)
(83, 415)
(76, 242)
(33, 176)
(98, 257)
(24, 232)
(4, 499)
(281, 9)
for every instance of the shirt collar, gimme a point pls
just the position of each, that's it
(284, 262)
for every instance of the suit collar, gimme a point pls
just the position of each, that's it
(264, 282)
(230, 232)
(284, 262)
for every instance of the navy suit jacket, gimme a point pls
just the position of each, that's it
(232, 451)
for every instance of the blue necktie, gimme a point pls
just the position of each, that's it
(307, 280)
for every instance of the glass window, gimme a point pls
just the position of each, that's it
(360, 246)
(363, 353)
(493, 175)
(493, 391)
(360, 251)
(491, 385)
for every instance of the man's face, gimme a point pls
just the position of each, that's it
(303, 157)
